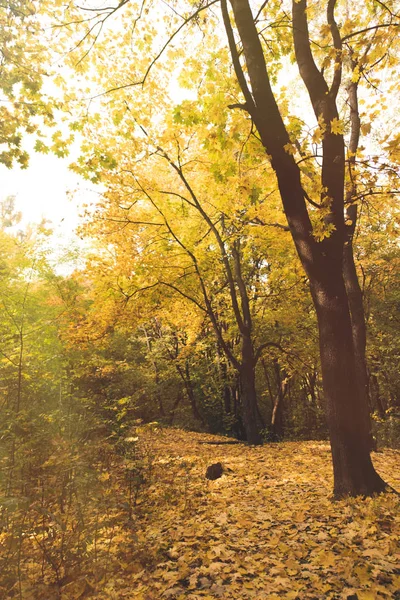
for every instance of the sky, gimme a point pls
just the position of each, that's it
(46, 189)
(49, 190)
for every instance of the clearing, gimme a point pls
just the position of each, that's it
(266, 529)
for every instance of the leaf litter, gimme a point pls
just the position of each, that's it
(267, 529)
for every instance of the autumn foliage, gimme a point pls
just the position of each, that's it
(165, 403)
(147, 524)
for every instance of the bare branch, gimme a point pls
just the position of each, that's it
(366, 29)
(249, 104)
(266, 345)
(184, 295)
(386, 8)
(258, 221)
(373, 193)
(307, 197)
(263, 5)
(337, 42)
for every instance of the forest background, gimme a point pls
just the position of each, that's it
(193, 308)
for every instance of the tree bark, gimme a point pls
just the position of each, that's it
(187, 382)
(376, 397)
(359, 331)
(178, 400)
(248, 392)
(353, 289)
(354, 473)
(277, 429)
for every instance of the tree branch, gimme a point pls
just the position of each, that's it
(160, 53)
(266, 345)
(258, 221)
(366, 29)
(309, 72)
(209, 310)
(337, 42)
(249, 104)
(217, 236)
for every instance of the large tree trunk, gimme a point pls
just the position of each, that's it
(359, 331)
(354, 473)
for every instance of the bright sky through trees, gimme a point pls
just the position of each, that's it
(41, 191)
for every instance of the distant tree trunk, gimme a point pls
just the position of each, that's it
(187, 382)
(156, 373)
(247, 374)
(159, 400)
(311, 383)
(311, 400)
(277, 429)
(238, 429)
(178, 400)
(227, 399)
(376, 397)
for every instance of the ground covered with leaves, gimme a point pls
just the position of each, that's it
(267, 529)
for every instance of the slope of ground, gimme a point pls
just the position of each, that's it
(267, 529)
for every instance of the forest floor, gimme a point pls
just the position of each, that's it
(266, 529)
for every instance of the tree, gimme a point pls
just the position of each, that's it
(323, 260)
(208, 258)
(314, 195)
(31, 361)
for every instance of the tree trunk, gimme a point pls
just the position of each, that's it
(227, 391)
(356, 306)
(191, 395)
(277, 411)
(378, 401)
(156, 374)
(323, 261)
(227, 399)
(247, 374)
(354, 473)
(178, 400)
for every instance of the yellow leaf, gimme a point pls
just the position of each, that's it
(337, 126)
(366, 595)
(365, 128)
(289, 148)
(356, 75)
